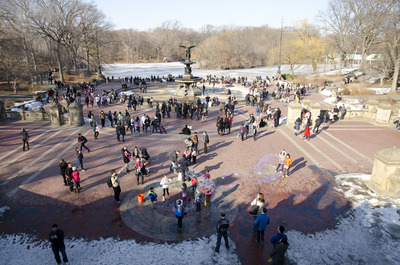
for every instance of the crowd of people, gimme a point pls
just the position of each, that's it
(180, 163)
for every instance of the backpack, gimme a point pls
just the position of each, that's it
(109, 183)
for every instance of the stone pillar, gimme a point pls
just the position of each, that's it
(2, 111)
(55, 114)
(371, 106)
(294, 111)
(383, 113)
(315, 109)
(76, 114)
(385, 179)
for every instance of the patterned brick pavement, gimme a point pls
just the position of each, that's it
(306, 201)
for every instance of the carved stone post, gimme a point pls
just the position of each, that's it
(55, 114)
(76, 114)
(385, 179)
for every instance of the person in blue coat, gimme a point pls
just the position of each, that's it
(275, 239)
(179, 213)
(261, 223)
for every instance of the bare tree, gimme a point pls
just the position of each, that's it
(337, 23)
(367, 18)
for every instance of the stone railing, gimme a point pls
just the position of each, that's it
(384, 114)
(36, 115)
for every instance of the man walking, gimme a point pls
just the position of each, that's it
(206, 140)
(25, 139)
(278, 236)
(222, 231)
(174, 161)
(102, 116)
(56, 238)
(261, 223)
(126, 156)
(82, 140)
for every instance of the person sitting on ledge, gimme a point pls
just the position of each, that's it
(186, 130)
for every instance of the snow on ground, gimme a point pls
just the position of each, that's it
(380, 90)
(177, 68)
(368, 234)
(22, 249)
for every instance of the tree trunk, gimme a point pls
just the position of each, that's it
(395, 75)
(87, 60)
(60, 68)
(314, 66)
(340, 67)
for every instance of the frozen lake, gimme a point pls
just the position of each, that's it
(177, 68)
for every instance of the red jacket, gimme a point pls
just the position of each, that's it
(75, 176)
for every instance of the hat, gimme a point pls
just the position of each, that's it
(73, 168)
(179, 201)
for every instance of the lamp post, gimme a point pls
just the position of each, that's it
(280, 49)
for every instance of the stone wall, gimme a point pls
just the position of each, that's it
(383, 114)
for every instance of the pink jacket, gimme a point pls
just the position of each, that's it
(75, 176)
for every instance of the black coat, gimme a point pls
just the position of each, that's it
(59, 241)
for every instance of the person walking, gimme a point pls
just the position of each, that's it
(260, 202)
(318, 123)
(278, 236)
(195, 140)
(25, 139)
(174, 161)
(297, 125)
(179, 213)
(102, 116)
(126, 156)
(222, 231)
(118, 131)
(122, 131)
(115, 184)
(56, 238)
(206, 141)
(82, 140)
(278, 253)
(63, 167)
(262, 221)
(110, 118)
(96, 130)
(242, 131)
(79, 159)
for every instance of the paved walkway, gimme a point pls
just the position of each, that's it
(306, 201)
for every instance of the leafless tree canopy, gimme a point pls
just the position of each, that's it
(73, 35)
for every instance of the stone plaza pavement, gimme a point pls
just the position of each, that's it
(305, 201)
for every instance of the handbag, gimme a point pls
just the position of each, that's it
(254, 209)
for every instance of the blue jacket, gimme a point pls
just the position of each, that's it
(179, 210)
(152, 196)
(275, 239)
(262, 221)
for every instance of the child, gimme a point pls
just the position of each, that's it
(152, 196)
(164, 184)
(194, 155)
(184, 189)
(286, 166)
(197, 200)
(194, 184)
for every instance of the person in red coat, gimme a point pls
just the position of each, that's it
(76, 179)
(306, 135)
